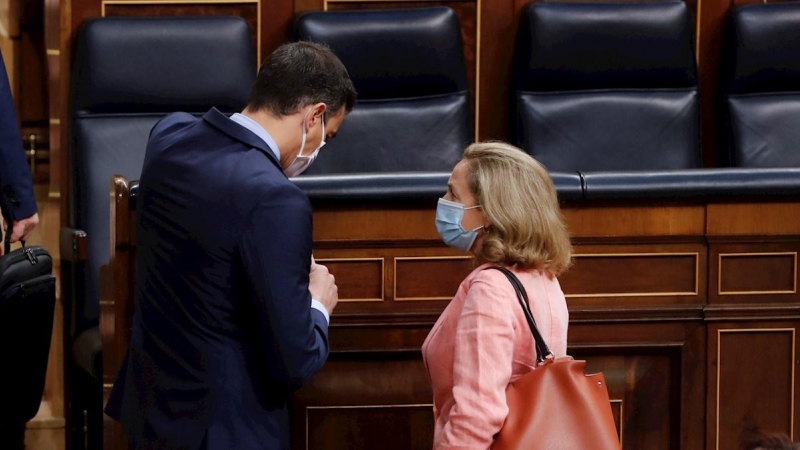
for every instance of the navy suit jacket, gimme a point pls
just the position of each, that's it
(16, 185)
(223, 329)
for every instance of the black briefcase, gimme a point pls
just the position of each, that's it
(27, 305)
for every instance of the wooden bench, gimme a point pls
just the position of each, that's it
(688, 305)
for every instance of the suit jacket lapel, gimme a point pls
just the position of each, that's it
(223, 123)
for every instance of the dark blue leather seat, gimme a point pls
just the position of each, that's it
(607, 86)
(129, 73)
(413, 111)
(762, 95)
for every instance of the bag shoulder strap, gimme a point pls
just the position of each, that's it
(542, 350)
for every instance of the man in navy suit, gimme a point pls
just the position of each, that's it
(231, 313)
(19, 206)
(16, 185)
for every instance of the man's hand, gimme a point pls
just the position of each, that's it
(323, 287)
(21, 229)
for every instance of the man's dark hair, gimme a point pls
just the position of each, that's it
(300, 74)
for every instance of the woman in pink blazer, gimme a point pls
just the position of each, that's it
(500, 206)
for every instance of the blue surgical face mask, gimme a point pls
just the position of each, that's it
(448, 223)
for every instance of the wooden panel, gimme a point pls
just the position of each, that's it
(387, 312)
(622, 349)
(276, 21)
(758, 273)
(358, 279)
(750, 219)
(497, 34)
(32, 70)
(246, 9)
(711, 18)
(430, 278)
(637, 379)
(369, 223)
(364, 223)
(762, 273)
(379, 333)
(636, 275)
(357, 401)
(370, 426)
(631, 219)
(753, 383)
(632, 274)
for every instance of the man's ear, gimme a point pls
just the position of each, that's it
(317, 111)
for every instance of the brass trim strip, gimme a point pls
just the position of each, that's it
(423, 299)
(420, 258)
(434, 2)
(53, 52)
(631, 294)
(719, 273)
(697, 34)
(643, 294)
(390, 405)
(719, 368)
(383, 278)
(621, 419)
(55, 121)
(170, 2)
(258, 35)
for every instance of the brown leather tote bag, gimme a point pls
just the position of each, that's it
(557, 406)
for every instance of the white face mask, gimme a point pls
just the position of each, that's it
(302, 162)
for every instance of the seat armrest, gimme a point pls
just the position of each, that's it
(404, 186)
(73, 245)
(373, 186)
(693, 183)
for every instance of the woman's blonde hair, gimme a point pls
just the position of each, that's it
(519, 199)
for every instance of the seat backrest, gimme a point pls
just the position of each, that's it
(129, 73)
(413, 108)
(607, 86)
(763, 85)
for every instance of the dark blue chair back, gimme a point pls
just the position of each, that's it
(607, 86)
(413, 109)
(129, 73)
(763, 89)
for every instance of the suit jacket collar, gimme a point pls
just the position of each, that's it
(226, 125)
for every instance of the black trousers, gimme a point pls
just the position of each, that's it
(12, 435)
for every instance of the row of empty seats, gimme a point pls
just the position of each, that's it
(597, 87)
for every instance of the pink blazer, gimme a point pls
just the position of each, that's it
(480, 344)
